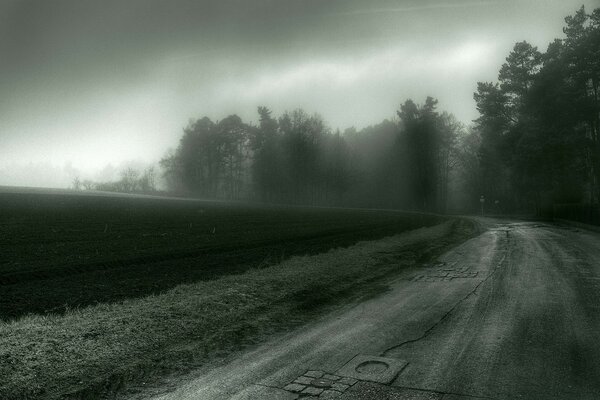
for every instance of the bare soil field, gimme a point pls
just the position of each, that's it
(62, 251)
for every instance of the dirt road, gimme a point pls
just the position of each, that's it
(511, 314)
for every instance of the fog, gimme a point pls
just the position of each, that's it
(86, 85)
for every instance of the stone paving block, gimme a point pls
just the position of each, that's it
(321, 382)
(330, 394)
(294, 387)
(347, 381)
(331, 377)
(304, 380)
(312, 391)
(314, 374)
(339, 387)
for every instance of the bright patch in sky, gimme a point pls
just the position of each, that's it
(389, 64)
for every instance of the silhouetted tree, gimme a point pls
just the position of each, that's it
(423, 143)
(267, 172)
(539, 124)
(302, 139)
(76, 183)
(450, 129)
(147, 182)
(129, 181)
(335, 169)
(172, 171)
(582, 61)
(471, 182)
(377, 166)
(232, 144)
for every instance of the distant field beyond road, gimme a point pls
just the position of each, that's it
(60, 251)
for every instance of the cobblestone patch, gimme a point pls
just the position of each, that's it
(339, 387)
(445, 272)
(320, 384)
(312, 391)
(294, 387)
(304, 380)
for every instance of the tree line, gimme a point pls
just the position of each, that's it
(536, 143)
(296, 158)
(131, 180)
(538, 132)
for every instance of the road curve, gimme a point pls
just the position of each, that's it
(511, 314)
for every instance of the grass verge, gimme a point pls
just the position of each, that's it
(98, 351)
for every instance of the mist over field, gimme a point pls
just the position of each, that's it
(264, 199)
(90, 89)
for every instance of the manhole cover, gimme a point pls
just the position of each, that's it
(371, 368)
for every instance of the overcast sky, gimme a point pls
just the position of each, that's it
(85, 84)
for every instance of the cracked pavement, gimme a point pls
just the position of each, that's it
(513, 313)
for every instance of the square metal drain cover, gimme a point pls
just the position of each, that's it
(371, 368)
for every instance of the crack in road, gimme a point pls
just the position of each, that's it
(449, 312)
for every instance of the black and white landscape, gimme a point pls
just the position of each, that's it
(299, 199)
